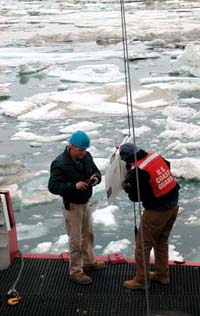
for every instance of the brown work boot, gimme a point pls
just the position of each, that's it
(98, 265)
(133, 284)
(153, 276)
(80, 277)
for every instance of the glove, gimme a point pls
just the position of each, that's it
(126, 186)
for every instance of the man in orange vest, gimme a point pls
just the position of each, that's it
(159, 196)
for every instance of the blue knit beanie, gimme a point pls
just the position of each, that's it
(80, 139)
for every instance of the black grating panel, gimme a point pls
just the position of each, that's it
(47, 291)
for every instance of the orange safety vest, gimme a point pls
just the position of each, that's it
(161, 179)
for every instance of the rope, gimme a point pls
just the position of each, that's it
(125, 67)
(129, 99)
(13, 292)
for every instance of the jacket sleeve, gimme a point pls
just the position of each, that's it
(96, 171)
(131, 184)
(57, 184)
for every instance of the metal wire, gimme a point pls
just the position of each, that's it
(131, 123)
(13, 287)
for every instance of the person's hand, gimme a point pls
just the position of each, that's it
(81, 185)
(93, 180)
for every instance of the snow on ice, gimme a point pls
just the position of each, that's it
(116, 246)
(105, 216)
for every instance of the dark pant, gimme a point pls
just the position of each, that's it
(157, 226)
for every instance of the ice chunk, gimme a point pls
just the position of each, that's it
(173, 254)
(90, 73)
(140, 56)
(176, 129)
(4, 90)
(62, 241)
(136, 94)
(38, 198)
(15, 194)
(188, 168)
(49, 111)
(101, 163)
(116, 246)
(101, 186)
(138, 130)
(157, 43)
(32, 68)
(152, 104)
(182, 147)
(105, 216)
(179, 111)
(25, 231)
(189, 61)
(36, 138)
(84, 125)
(12, 172)
(43, 247)
(192, 220)
(15, 108)
(152, 81)
(98, 247)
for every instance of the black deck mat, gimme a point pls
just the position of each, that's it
(46, 291)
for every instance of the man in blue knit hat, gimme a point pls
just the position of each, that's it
(73, 174)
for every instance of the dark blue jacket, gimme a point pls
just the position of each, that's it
(66, 172)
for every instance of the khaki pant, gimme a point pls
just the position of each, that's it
(156, 229)
(79, 228)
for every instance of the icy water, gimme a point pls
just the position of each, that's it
(61, 69)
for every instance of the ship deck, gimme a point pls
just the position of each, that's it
(46, 291)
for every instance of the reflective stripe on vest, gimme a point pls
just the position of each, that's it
(161, 179)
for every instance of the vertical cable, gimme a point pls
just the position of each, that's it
(125, 69)
(129, 99)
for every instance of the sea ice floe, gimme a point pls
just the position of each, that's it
(84, 125)
(15, 108)
(105, 216)
(174, 255)
(183, 147)
(116, 246)
(38, 198)
(26, 231)
(192, 220)
(11, 172)
(152, 104)
(90, 73)
(4, 90)
(27, 69)
(179, 111)
(100, 187)
(187, 168)
(164, 80)
(98, 247)
(101, 163)
(49, 111)
(59, 246)
(189, 61)
(157, 43)
(37, 138)
(138, 130)
(62, 104)
(15, 194)
(141, 56)
(43, 247)
(181, 130)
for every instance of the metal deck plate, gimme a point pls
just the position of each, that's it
(46, 291)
